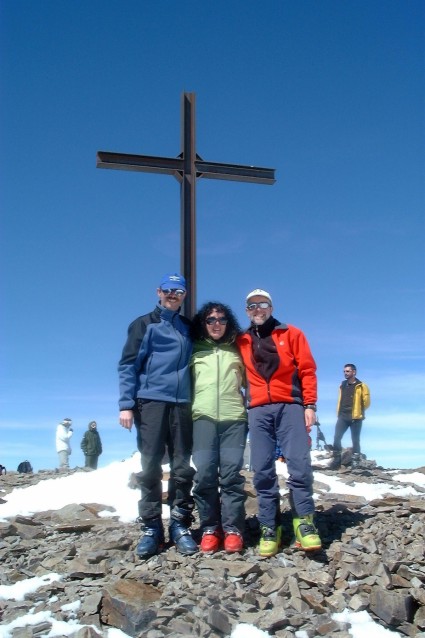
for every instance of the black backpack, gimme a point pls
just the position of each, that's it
(3, 470)
(25, 467)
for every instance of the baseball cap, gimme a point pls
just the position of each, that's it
(258, 292)
(173, 281)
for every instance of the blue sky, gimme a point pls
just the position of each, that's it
(330, 94)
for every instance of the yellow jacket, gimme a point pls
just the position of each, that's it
(361, 400)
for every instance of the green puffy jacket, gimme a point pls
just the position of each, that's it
(218, 378)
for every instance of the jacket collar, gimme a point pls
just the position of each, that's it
(165, 313)
(267, 328)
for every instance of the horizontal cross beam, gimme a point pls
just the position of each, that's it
(235, 172)
(175, 166)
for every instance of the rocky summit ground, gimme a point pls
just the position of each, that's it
(372, 559)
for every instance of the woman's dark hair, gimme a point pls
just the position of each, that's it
(233, 328)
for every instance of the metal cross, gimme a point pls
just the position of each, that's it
(186, 168)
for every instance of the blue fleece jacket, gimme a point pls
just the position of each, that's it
(155, 359)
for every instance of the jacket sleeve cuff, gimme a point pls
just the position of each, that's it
(310, 406)
(127, 406)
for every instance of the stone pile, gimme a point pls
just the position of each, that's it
(372, 559)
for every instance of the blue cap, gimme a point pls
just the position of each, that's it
(173, 281)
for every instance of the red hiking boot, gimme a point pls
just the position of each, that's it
(211, 541)
(233, 542)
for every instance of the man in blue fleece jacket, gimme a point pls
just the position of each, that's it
(155, 395)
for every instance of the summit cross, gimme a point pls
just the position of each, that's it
(186, 168)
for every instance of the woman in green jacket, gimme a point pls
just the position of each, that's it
(219, 428)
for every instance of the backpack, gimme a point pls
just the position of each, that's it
(3, 470)
(25, 467)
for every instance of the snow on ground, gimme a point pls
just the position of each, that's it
(109, 486)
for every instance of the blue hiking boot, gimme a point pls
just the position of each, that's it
(152, 540)
(180, 535)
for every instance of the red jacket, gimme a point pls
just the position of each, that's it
(294, 381)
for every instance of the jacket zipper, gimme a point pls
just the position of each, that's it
(180, 339)
(267, 382)
(217, 351)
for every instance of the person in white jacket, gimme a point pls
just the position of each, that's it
(64, 432)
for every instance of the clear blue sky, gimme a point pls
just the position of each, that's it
(330, 94)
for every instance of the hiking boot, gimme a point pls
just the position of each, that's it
(179, 531)
(306, 536)
(233, 542)
(336, 461)
(270, 540)
(211, 540)
(152, 540)
(355, 461)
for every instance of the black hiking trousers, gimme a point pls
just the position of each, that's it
(164, 425)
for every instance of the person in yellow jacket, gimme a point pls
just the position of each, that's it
(219, 428)
(353, 401)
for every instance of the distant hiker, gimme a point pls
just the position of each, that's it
(353, 401)
(64, 432)
(282, 392)
(155, 380)
(91, 445)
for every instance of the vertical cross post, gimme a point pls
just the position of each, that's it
(188, 200)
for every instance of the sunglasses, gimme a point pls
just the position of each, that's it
(212, 320)
(261, 304)
(176, 291)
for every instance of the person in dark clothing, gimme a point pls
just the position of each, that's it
(353, 401)
(154, 379)
(91, 445)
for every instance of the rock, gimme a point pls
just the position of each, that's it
(393, 607)
(125, 605)
(372, 559)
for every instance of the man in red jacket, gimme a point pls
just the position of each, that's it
(282, 394)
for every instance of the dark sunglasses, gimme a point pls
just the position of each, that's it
(176, 291)
(261, 304)
(212, 320)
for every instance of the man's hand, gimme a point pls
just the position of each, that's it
(126, 419)
(310, 419)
